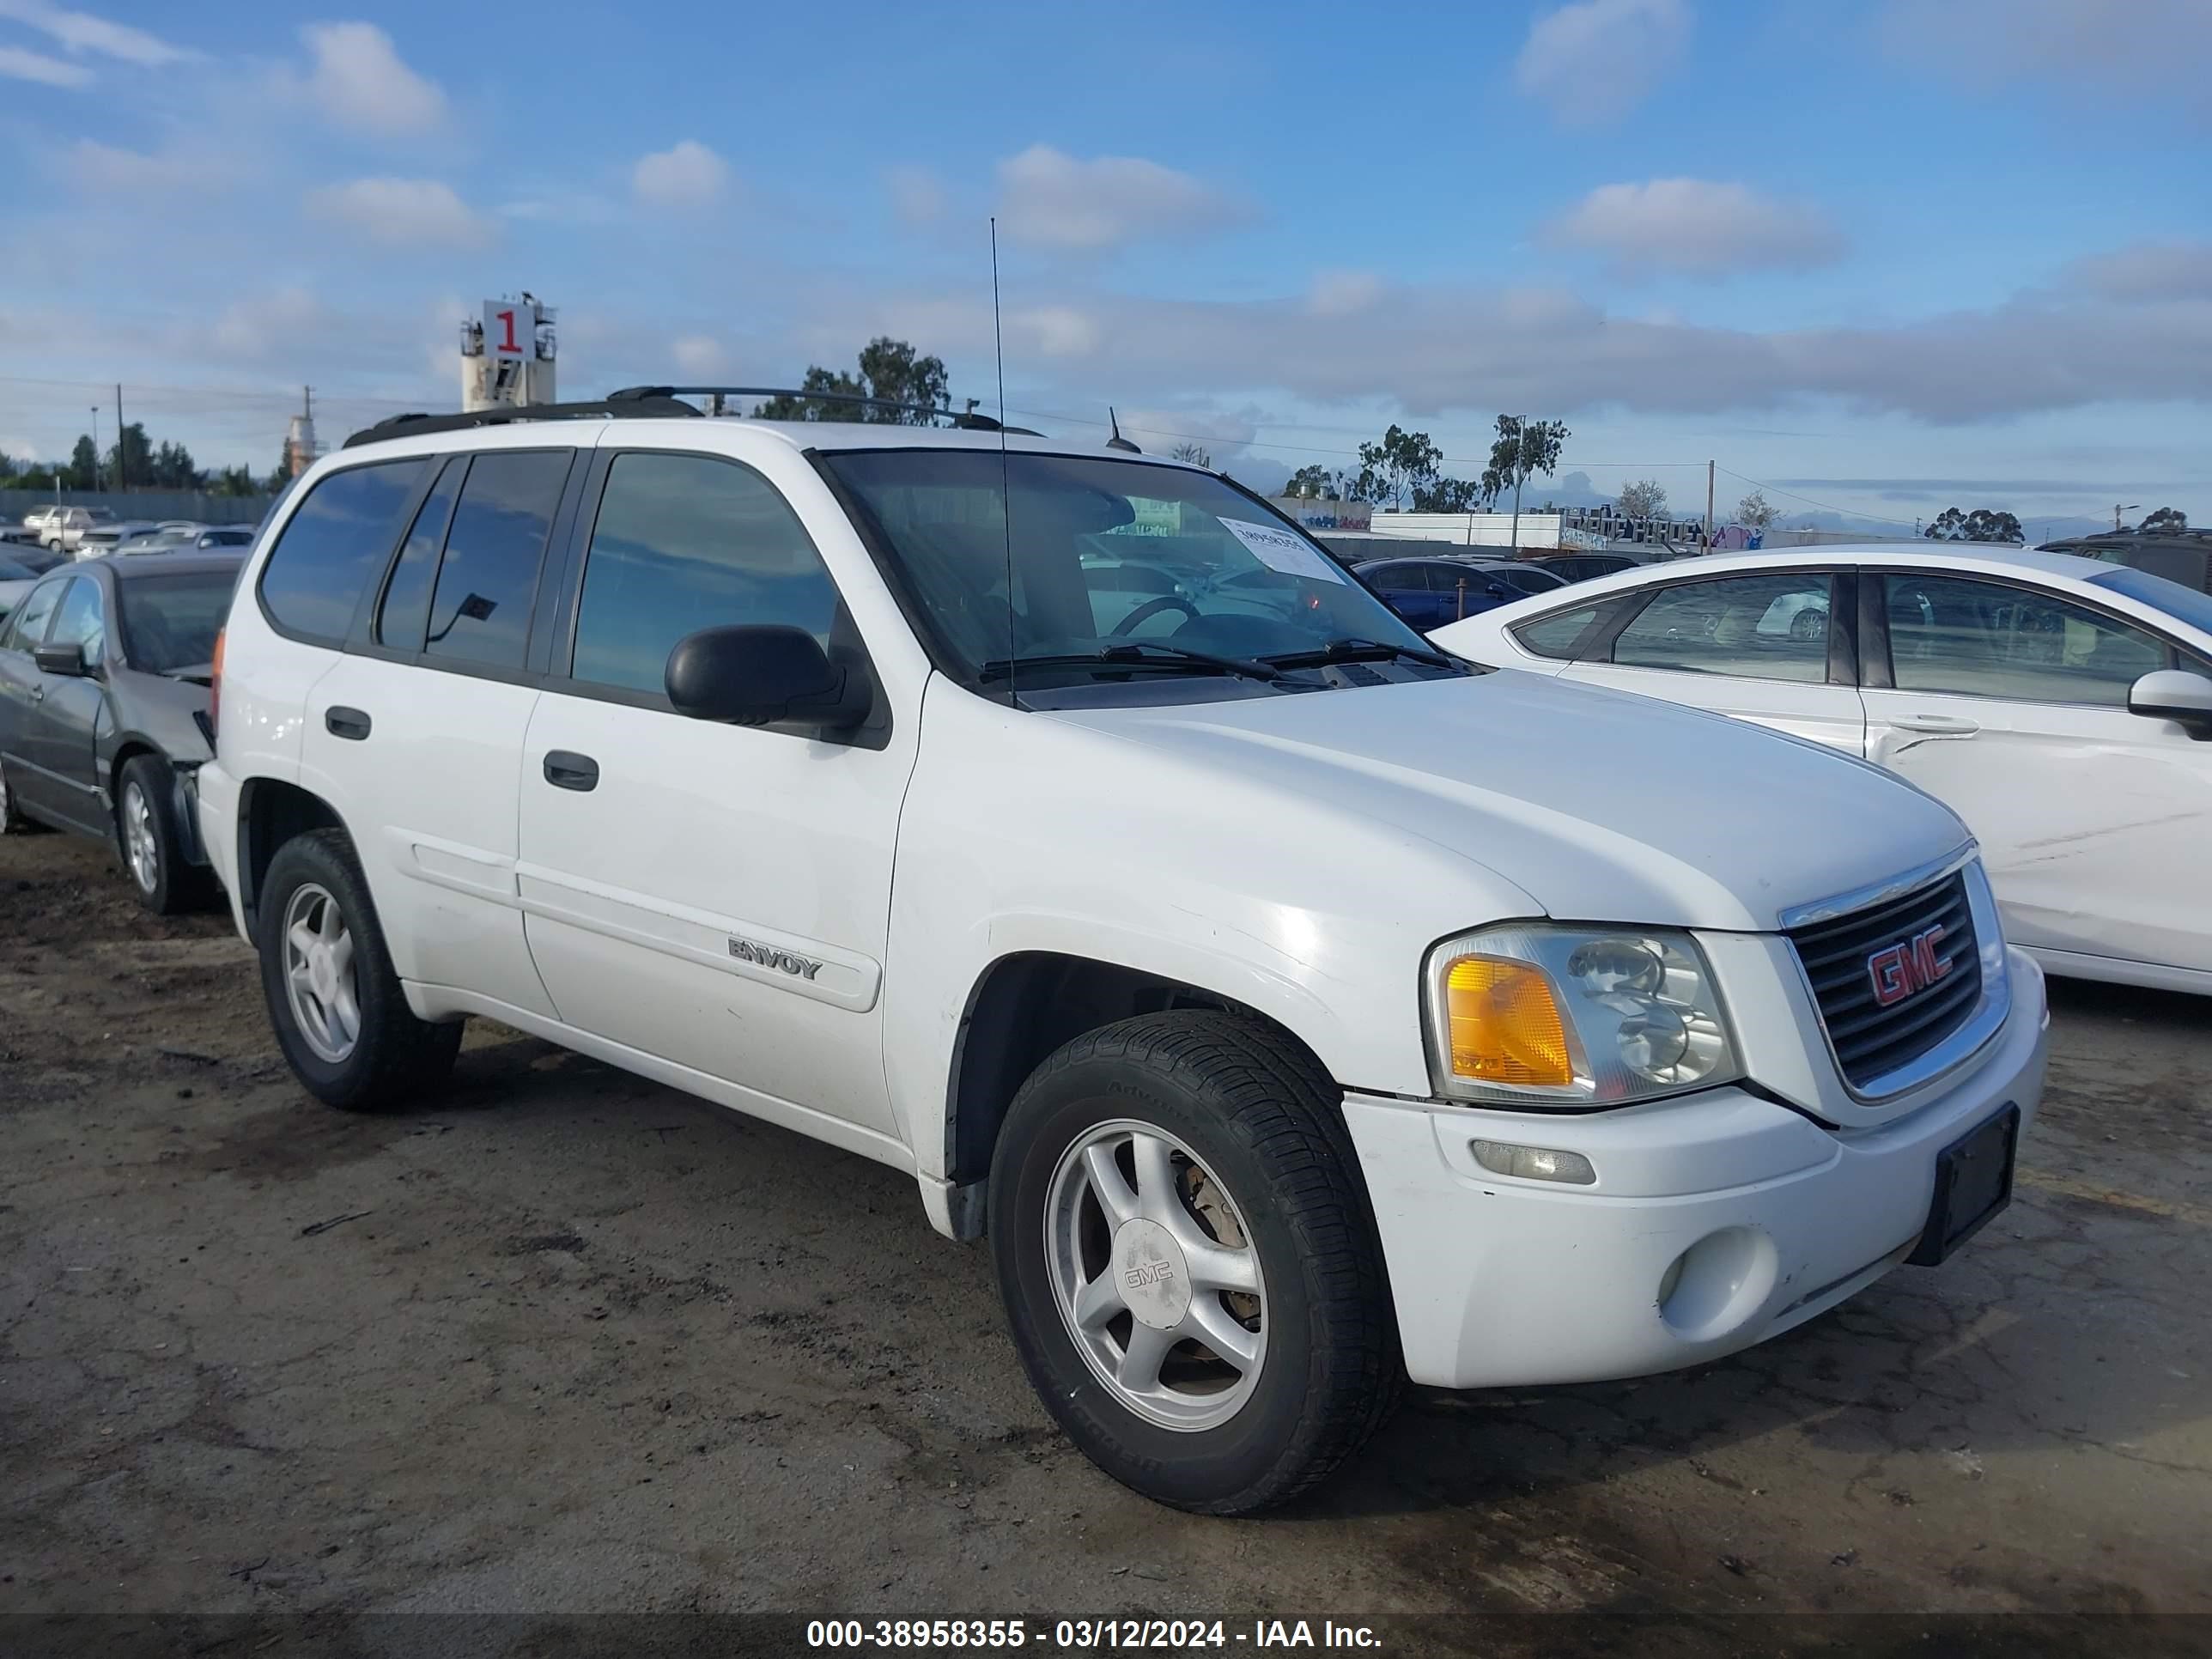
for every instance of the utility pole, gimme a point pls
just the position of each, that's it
(119, 475)
(95, 447)
(1708, 504)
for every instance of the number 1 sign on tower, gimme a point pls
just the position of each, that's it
(508, 330)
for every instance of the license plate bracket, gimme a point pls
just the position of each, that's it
(1973, 1182)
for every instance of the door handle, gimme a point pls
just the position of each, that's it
(347, 723)
(38, 694)
(566, 770)
(1952, 725)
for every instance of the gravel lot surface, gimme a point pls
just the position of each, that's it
(562, 1341)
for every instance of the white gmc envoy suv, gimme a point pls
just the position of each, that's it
(1297, 1008)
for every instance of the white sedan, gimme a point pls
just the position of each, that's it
(2061, 705)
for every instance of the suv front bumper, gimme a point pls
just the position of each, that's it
(1717, 1220)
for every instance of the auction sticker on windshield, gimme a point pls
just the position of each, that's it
(1281, 549)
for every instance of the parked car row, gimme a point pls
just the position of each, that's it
(1296, 1006)
(92, 532)
(2061, 705)
(1433, 590)
(105, 671)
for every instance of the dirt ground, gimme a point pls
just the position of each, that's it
(566, 1341)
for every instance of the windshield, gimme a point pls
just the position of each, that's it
(1106, 557)
(170, 622)
(2183, 603)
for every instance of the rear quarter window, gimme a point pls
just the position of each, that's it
(334, 546)
(1559, 635)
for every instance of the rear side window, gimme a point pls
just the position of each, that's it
(687, 542)
(1765, 628)
(334, 546)
(404, 615)
(1558, 635)
(480, 609)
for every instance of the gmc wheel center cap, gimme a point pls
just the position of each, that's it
(1154, 1279)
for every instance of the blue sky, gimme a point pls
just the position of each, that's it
(1888, 255)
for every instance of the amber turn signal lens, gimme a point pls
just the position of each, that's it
(1506, 1024)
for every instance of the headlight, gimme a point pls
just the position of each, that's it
(1533, 1014)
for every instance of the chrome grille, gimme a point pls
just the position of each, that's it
(1872, 1038)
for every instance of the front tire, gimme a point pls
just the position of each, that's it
(12, 823)
(1188, 1263)
(339, 1013)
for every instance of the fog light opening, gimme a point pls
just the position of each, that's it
(1533, 1162)
(1719, 1283)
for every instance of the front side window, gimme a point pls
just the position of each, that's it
(1979, 638)
(169, 622)
(687, 542)
(83, 623)
(26, 629)
(1766, 628)
(335, 545)
(480, 608)
(1053, 560)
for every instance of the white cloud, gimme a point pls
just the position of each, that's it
(1055, 331)
(407, 212)
(918, 195)
(1696, 227)
(17, 64)
(700, 355)
(2148, 271)
(1340, 293)
(108, 170)
(1049, 198)
(1594, 61)
(2157, 52)
(251, 329)
(81, 32)
(690, 175)
(359, 83)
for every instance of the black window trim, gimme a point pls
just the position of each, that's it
(554, 662)
(1879, 662)
(1839, 668)
(326, 641)
(368, 624)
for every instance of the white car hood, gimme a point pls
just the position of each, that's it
(1599, 806)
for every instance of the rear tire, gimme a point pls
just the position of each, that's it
(12, 823)
(340, 1015)
(150, 836)
(1219, 1144)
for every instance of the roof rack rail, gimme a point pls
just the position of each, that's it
(418, 425)
(966, 420)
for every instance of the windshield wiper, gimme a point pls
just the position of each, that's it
(1356, 650)
(1129, 653)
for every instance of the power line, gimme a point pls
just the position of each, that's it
(1829, 507)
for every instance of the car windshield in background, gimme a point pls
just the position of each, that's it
(1115, 565)
(170, 622)
(12, 572)
(2183, 603)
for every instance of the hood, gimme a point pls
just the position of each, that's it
(1600, 806)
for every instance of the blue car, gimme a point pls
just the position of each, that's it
(1430, 592)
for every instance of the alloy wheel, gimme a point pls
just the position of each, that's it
(141, 842)
(320, 982)
(1153, 1270)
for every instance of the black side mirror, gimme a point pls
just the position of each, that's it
(2175, 694)
(67, 660)
(759, 674)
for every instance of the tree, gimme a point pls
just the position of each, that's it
(1194, 453)
(1450, 496)
(1397, 470)
(1644, 499)
(1754, 511)
(172, 468)
(130, 458)
(235, 481)
(84, 464)
(2167, 520)
(1316, 483)
(889, 370)
(1982, 525)
(1523, 449)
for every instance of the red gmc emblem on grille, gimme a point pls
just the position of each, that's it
(1906, 967)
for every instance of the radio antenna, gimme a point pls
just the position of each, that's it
(1005, 484)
